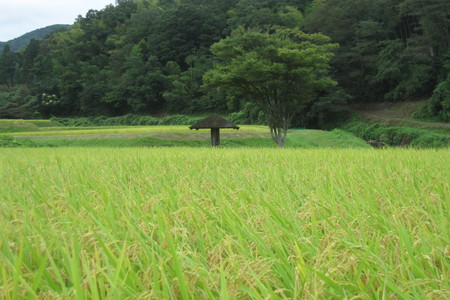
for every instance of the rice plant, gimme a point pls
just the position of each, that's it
(204, 223)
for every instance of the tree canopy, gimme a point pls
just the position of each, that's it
(279, 71)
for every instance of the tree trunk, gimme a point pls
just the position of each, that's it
(278, 135)
(279, 128)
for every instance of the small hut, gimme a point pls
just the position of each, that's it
(214, 122)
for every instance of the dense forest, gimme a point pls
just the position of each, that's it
(148, 57)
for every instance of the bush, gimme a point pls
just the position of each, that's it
(438, 107)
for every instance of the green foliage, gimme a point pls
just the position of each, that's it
(438, 107)
(111, 61)
(390, 49)
(128, 119)
(185, 92)
(17, 102)
(141, 86)
(179, 120)
(316, 114)
(399, 135)
(114, 61)
(8, 61)
(249, 114)
(184, 30)
(266, 13)
(351, 24)
(403, 72)
(279, 72)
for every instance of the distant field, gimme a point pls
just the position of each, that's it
(41, 123)
(128, 130)
(185, 223)
(10, 126)
(46, 134)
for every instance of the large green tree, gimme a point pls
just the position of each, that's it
(279, 71)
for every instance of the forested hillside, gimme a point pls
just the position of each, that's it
(24, 40)
(149, 57)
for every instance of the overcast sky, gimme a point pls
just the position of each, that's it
(18, 17)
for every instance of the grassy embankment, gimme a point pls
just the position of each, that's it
(43, 134)
(391, 124)
(210, 223)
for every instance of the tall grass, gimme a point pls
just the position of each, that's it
(190, 223)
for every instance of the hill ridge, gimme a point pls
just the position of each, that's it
(23, 40)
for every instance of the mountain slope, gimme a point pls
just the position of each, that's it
(23, 40)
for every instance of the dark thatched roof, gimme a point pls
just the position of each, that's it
(213, 121)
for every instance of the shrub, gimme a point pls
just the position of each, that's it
(438, 107)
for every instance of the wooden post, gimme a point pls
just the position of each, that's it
(215, 137)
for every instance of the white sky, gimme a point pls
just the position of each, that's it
(18, 17)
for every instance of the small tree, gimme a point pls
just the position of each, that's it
(279, 71)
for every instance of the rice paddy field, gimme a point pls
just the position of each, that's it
(44, 133)
(203, 223)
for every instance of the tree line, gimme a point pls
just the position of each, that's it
(150, 56)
